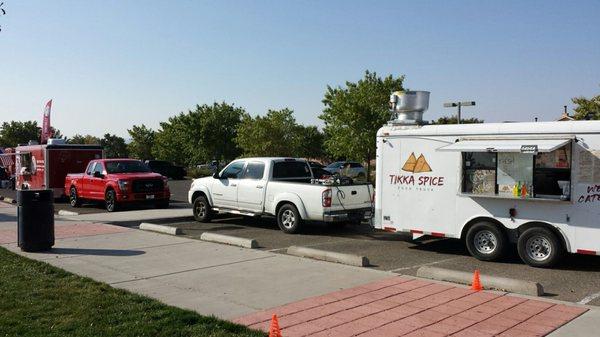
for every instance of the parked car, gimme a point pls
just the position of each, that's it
(355, 170)
(117, 182)
(280, 187)
(166, 169)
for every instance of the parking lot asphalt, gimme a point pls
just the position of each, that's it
(576, 279)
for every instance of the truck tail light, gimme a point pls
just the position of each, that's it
(326, 198)
(373, 197)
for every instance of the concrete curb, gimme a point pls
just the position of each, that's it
(229, 240)
(65, 212)
(349, 259)
(160, 228)
(488, 282)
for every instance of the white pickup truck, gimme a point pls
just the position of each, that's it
(280, 187)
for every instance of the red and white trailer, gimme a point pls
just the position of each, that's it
(46, 165)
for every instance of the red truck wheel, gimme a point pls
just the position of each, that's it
(73, 198)
(110, 199)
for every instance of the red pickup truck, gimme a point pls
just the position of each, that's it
(116, 182)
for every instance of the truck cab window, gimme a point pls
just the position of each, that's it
(90, 168)
(479, 172)
(98, 168)
(254, 171)
(291, 169)
(233, 171)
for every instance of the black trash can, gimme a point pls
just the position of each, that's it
(35, 220)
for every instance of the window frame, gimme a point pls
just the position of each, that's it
(462, 185)
(243, 162)
(245, 170)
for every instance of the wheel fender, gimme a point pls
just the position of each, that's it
(111, 185)
(71, 183)
(200, 188)
(562, 236)
(291, 198)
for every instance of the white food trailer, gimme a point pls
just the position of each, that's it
(493, 184)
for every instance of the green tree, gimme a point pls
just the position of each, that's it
(354, 113)
(87, 139)
(454, 120)
(114, 146)
(273, 135)
(311, 142)
(14, 132)
(587, 108)
(199, 136)
(142, 141)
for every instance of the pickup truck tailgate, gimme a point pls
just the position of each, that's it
(352, 196)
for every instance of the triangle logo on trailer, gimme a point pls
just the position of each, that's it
(416, 165)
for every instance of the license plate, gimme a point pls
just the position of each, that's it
(150, 196)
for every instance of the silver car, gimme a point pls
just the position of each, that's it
(347, 168)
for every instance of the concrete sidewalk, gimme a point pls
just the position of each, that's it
(310, 297)
(212, 279)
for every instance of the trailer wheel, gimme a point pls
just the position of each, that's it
(539, 247)
(486, 242)
(110, 199)
(202, 211)
(288, 219)
(73, 198)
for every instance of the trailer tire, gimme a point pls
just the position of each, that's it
(486, 242)
(74, 199)
(539, 247)
(202, 211)
(110, 200)
(288, 219)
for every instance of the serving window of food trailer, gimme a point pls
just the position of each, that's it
(515, 168)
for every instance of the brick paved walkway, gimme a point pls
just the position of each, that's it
(70, 230)
(400, 306)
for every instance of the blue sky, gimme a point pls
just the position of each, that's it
(111, 64)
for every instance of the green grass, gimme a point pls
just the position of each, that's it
(37, 299)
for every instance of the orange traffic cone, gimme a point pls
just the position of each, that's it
(476, 281)
(274, 330)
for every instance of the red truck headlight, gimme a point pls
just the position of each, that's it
(123, 185)
(326, 198)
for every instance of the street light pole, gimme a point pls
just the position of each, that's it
(459, 105)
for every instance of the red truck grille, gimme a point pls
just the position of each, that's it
(144, 186)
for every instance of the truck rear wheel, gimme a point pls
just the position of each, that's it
(539, 247)
(74, 198)
(110, 200)
(288, 219)
(486, 242)
(202, 211)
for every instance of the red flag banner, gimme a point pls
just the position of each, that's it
(46, 129)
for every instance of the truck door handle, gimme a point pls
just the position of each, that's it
(233, 185)
(260, 187)
(353, 193)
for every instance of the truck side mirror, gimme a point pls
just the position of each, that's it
(216, 175)
(98, 175)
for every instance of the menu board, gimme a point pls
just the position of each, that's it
(514, 169)
(560, 158)
(589, 166)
